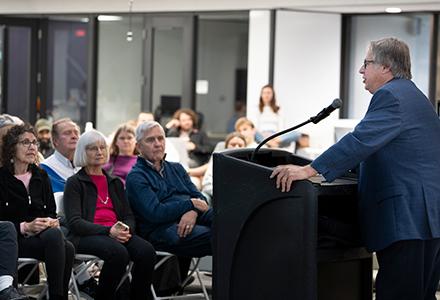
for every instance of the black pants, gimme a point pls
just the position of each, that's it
(408, 270)
(51, 247)
(116, 257)
(8, 250)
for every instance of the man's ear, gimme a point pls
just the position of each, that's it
(385, 69)
(54, 141)
(138, 148)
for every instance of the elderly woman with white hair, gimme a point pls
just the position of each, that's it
(95, 202)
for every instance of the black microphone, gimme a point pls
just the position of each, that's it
(322, 115)
(327, 111)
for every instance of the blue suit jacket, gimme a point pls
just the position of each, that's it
(396, 147)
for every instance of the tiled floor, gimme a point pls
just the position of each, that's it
(207, 280)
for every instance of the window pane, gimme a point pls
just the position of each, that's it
(19, 45)
(119, 73)
(167, 71)
(67, 71)
(221, 69)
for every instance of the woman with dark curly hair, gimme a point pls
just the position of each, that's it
(26, 199)
(185, 125)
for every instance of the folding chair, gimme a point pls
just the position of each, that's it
(195, 269)
(32, 261)
(90, 261)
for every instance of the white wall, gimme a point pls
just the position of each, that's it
(258, 57)
(307, 70)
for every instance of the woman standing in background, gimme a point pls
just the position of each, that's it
(268, 121)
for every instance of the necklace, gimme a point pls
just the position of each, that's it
(106, 199)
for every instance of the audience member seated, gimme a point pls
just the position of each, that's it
(247, 130)
(94, 203)
(184, 125)
(170, 211)
(27, 201)
(8, 262)
(43, 128)
(123, 152)
(170, 150)
(59, 166)
(145, 116)
(232, 140)
(268, 120)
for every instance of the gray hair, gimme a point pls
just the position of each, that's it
(145, 127)
(86, 139)
(392, 53)
(6, 120)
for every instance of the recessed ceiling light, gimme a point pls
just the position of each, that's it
(109, 18)
(393, 10)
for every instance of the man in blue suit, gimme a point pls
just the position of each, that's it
(396, 149)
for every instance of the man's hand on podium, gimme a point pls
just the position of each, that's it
(287, 174)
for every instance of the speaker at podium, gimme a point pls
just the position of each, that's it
(266, 243)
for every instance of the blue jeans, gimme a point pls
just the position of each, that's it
(116, 257)
(197, 244)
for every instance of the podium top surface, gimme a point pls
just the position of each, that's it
(269, 159)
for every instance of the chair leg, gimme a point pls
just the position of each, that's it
(196, 264)
(127, 274)
(73, 287)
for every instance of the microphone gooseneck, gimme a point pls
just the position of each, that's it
(337, 103)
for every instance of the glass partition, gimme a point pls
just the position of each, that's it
(221, 78)
(67, 68)
(18, 71)
(119, 73)
(167, 71)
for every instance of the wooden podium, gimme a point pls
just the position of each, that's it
(265, 243)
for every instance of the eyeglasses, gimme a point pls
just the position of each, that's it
(27, 143)
(95, 148)
(366, 63)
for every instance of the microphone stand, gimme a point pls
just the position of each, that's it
(278, 134)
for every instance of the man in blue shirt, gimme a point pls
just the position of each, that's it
(59, 166)
(170, 211)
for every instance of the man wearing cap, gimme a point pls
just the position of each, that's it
(43, 128)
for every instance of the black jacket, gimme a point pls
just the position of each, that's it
(203, 150)
(80, 196)
(15, 203)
